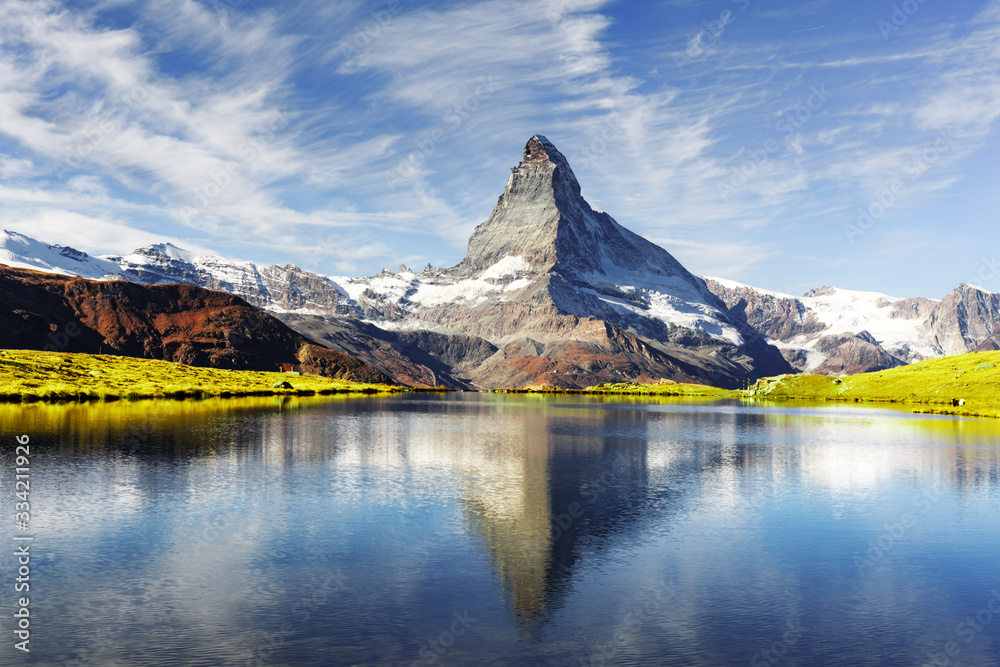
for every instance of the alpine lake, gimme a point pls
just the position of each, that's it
(502, 529)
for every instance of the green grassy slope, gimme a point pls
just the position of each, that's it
(964, 384)
(27, 375)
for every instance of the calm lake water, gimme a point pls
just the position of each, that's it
(479, 529)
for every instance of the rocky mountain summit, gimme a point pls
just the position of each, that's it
(965, 319)
(568, 297)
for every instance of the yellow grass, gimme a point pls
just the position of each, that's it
(962, 384)
(27, 375)
(659, 389)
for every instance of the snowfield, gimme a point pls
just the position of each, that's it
(850, 312)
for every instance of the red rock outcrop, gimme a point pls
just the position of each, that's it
(181, 323)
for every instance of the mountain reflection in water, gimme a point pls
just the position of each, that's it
(201, 526)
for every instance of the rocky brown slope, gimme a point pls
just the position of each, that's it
(964, 319)
(848, 355)
(181, 323)
(991, 344)
(413, 358)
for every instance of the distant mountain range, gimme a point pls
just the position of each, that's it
(552, 292)
(834, 331)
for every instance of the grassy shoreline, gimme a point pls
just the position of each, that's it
(965, 385)
(29, 376)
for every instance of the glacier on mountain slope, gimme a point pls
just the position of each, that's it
(668, 298)
(848, 313)
(665, 298)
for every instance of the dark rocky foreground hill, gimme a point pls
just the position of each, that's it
(180, 323)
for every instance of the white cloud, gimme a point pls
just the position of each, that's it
(273, 134)
(97, 235)
(730, 258)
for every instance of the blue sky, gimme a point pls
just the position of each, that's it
(788, 145)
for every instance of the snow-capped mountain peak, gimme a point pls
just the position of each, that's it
(24, 252)
(170, 251)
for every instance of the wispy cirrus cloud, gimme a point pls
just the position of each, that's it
(801, 9)
(259, 131)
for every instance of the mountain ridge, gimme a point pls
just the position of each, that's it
(175, 322)
(882, 331)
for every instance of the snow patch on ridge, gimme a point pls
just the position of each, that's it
(848, 313)
(732, 284)
(173, 252)
(414, 291)
(508, 266)
(851, 312)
